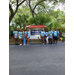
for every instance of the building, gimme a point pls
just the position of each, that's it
(35, 31)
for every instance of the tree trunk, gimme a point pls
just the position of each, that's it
(13, 13)
(32, 14)
(10, 18)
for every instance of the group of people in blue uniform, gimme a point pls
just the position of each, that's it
(21, 35)
(50, 36)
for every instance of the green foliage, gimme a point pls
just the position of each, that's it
(45, 15)
(11, 32)
(49, 25)
(21, 20)
(18, 29)
(39, 20)
(57, 24)
(61, 30)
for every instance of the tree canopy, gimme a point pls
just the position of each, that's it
(27, 12)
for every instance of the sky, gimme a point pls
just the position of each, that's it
(61, 7)
(58, 6)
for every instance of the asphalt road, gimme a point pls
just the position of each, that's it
(37, 59)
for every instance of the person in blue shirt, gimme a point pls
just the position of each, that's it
(20, 36)
(15, 32)
(24, 37)
(47, 37)
(28, 36)
(42, 36)
(55, 36)
(51, 36)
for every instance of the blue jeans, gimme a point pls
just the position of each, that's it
(24, 40)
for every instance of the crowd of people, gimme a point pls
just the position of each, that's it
(21, 35)
(50, 36)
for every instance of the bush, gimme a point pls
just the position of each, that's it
(18, 29)
(39, 20)
(45, 29)
(53, 28)
(61, 30)
(11, 32)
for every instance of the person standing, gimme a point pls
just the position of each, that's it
(24, 37)
(28, 36)
(15, 32)
(51, 36)
(47, 37)
(42, 36)
(55, 36)
(20, 36)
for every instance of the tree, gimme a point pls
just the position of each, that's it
(18, 21)
(38, 3)
(32, 8)
(12, 4)
(22, 19)
(39, 20)
(61, 17)
(57, 18)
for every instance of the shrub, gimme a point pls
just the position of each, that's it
(18, 29)
(11, 30)
(61, 30)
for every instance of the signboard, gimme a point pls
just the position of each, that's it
(36, 32)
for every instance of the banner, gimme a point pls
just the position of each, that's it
(35, 32)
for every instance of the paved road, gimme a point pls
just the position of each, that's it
(37, 59)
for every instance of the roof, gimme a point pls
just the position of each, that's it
(36, 26)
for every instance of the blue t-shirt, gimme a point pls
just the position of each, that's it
(15, 33)
(50, 33)
(46, 33)
(42, 33)
(20, 34)
(55, 33)
(25, 33)
(28, 34)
